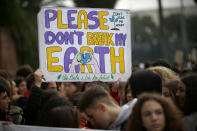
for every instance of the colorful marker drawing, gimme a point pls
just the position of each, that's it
(84, 59)
(113, 19)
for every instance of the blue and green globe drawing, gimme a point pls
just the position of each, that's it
(84, 59)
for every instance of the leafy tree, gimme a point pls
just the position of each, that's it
(20, 18)
(144, 30)
(145, 38)
(173, 34)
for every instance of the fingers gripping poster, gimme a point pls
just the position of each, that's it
(84, 44)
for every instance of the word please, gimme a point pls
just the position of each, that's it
(96, 17)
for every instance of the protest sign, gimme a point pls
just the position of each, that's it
(84, 44)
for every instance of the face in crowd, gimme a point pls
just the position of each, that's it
(4, 102)
(180, 94)
(22, 87)
(52, 85)
(152, 116)
(98, 116)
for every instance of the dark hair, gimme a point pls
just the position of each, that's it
(59, 85)
(191, 92)
(91, 96)
(77, 84)
(30, 80)
(44, 85)
(56, 101)
(173, 117)
(18, 80)
(3, 85)
(126, 91)
(47, 95)
(7, 78)
(62, 116)
(74, 99)
(24, 71)
(145, 81)
(172, 87)
(53, 102)
(97, 84)
(165, 63)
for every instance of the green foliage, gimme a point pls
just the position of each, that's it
(144, 30)
(191, 25)
(21, 21)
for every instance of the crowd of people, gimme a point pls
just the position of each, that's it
(159, 97)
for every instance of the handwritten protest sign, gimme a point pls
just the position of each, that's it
(84, 44)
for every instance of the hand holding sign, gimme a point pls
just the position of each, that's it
(86, 58)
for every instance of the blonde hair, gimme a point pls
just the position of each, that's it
(166, 74)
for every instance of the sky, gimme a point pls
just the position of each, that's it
(137, 5)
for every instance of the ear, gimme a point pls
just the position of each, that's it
(102, 107)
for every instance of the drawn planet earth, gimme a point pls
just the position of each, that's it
(84, 59)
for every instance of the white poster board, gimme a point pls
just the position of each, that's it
(84, 44)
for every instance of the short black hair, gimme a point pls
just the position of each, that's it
(190, 82)
(24, 71)
(145, 81)
(4, 86)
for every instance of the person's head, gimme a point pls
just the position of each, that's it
(62, 116)
(47, 95)
(24, 71)
(72, 87)
(100, 107)
(74, 99)
(170, 89)
(180, 94)
(7, 77)
(49, 85)
(164, 63)
(127, 93)
(166, 74)
(95, 84)
(145, 81)
(30, 81)
(55, 101)
(154, 112)
(21, 85)
(190, 104)
(4, 98)
(60, 86)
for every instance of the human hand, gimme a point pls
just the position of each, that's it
(115, 85)
(38, 75)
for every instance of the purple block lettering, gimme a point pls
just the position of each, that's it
(48, 19)
(69, 37)
(120, 39)
(95, 19)
(60, 38)
(47, 35)
(68, 61)
(70, 19)
(102, 51)
(79, 34)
